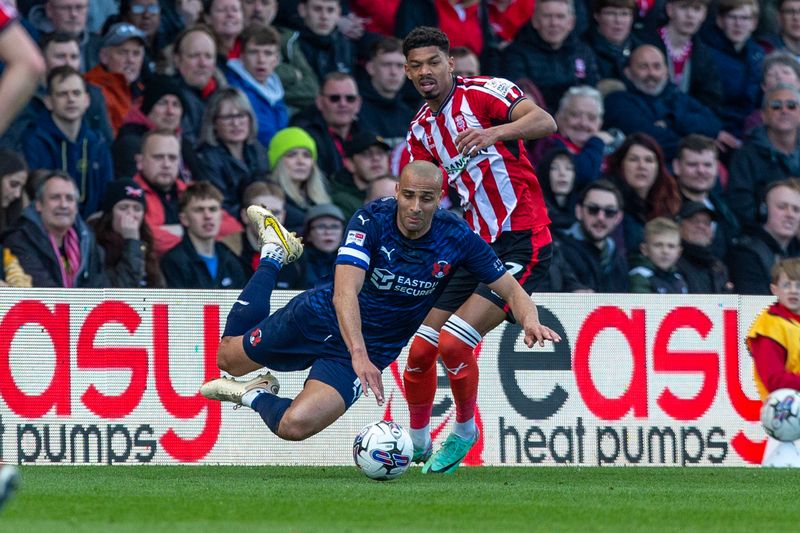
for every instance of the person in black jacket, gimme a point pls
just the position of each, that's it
(611, 37)
(199, 261)
(53, 244)
(229, 154)
(588, 249)
(703, 271)
(123, 234)
(755, 252)
(326, 48)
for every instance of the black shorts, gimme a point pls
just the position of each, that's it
(526, 255)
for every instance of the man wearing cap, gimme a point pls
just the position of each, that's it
(696, 170)
(121, 58)
(323, 232)
(703, 271)
(366, 158)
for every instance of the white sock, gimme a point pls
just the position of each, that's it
(273, 251)
(466, 430)
(421, 437)
(250, 396)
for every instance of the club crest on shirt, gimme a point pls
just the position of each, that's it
(429, 144)
(255, 337)
(461, 123)
(440, 269)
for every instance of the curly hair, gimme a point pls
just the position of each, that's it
(424, 36)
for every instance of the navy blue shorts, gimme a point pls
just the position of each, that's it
(293, 339)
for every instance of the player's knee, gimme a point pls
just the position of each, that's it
(226, 360)
(424, 350)
(294, 427)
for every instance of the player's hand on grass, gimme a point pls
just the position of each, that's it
(539, 333)
(471, 141)
(370, 377)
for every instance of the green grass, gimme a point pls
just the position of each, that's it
(229, 499)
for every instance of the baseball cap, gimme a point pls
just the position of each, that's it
(323, 210)
(120, 32)
(363, 140)
(690, 209)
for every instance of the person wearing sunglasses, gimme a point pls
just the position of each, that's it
(146, 15)
(589, 251)
(770, 154)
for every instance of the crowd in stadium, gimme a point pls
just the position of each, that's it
(157, 122)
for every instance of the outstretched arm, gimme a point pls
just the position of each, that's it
(528, 121)
(348, 281)
(23, 68)
(524, 310)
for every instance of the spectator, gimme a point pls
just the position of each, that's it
(556, 175)
(229, 155)
(64, 141)
(661, 250)
(771, 153)
(254, 74)
(703, 271)
(780, 67)
(13, 177)
(158, 165)
(756, 251)
(788, 38)
(690, 62)
(507, 17)
(226, 20)
(332, 121)
(385, 186)
(54, 246)
(648, 190)
(465, 62)
(323, 231)
(199, 261)
(195, 53)
(292, 157)
(383, 110)
(269, 196)
(118, 73)
(579, 117)
(549, 53)
(259, 12)
(161, 109)
(58, 49)
(738, 59)
(695, 168)
(325, 48)
(611, 38)
(123, 234)
(68, 16)
(654, 106)
(590, 254)
(299, 81)
(146, 15)
(366, 159)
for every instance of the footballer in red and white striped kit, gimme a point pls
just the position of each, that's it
(474, 129)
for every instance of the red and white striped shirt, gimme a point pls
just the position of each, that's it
(498, 188)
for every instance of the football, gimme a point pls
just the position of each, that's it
(383, 450)
(780, 415)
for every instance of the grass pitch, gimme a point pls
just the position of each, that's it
(274, 499)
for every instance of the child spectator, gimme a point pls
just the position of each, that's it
(199, 261)
(63, 140)
(661, 251)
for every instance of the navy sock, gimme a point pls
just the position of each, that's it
(271, 408)
(256, 294)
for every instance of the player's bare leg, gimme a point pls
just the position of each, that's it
(316, 407)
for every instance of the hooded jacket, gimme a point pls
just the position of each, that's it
(28, 240)
(265, 98)
(388, 117)
(87, 160)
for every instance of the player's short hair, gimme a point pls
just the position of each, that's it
(387, 45)
(694, 142)
(789, 266)
(424, 36)
(601, 185)
(59, 74)
(199, 190)
(660, 226)
(261, 188)
(260, 35)
(726, 6)
(602, 4)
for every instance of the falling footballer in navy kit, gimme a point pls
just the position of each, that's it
(396, 258)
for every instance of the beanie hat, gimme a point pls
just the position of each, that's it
(156, 87)
(289, 139)
(122, 189)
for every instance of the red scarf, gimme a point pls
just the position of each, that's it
(70, 261)
(209, 89)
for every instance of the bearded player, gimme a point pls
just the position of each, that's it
(473, 128)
